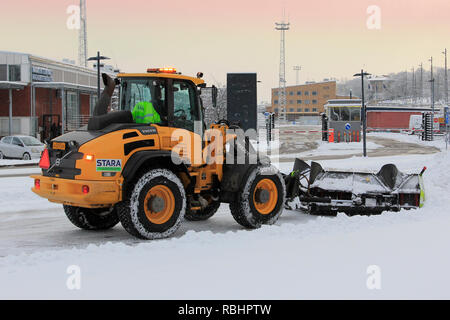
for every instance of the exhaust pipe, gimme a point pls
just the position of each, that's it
(101, 107)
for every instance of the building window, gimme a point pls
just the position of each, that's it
(291, 101)
(291, 110)
(3, 72)
(306, 93)
(307, 101)
(314, 93)
(306, 109)
(314, 102)
(14, 73)
(93, 100)
(299, 109)
(291, 93)
(275, 101)
(276, 110)
(314, 110)
(275, 93)
(73, 111)
(299, 93)
(299, 101)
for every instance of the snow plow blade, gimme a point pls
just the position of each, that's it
(325, 192)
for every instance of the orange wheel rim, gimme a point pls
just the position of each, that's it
(265, 196)
(159, 204)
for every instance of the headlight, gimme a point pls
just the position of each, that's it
(34, 150)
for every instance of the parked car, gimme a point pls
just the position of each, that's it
(21, 147)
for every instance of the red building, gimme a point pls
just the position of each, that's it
(391, 117)
(37, 93)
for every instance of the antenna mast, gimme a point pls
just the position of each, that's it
(282, 27)
(82, 36)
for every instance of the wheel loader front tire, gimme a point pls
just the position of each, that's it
(156, 206)
(92, 219)
(260, 199)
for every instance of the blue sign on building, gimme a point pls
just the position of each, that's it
(348, 126)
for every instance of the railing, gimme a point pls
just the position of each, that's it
(73, 123)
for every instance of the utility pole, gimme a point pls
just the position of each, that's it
(297, 72)
(421, 80)
(363, 109)
(98, 58)
(413, 85)
(446, 77)
(406, 84)
(432, 98)
(282, 27)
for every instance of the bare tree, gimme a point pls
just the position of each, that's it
(220, 112)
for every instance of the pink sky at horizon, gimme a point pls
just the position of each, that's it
(328, 38)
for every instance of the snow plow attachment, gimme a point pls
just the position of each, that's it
(321, 192)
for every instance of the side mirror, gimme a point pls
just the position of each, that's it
(21, 145)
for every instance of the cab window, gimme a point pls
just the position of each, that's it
(186, 110)
(134, 91)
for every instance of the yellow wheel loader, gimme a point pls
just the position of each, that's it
(151, 176)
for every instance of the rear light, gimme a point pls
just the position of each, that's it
(44, 163)
(37, 184)
(89, 157)
(85, 189)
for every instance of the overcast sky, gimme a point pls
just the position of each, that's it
(328, 38)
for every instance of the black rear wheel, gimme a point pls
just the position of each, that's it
(92, 219)
(156, 205)
(260, 199)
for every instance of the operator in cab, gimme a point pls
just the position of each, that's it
(148, 100)
(144, 112)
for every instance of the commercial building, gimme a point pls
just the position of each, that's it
(306, 100)
(38, 94)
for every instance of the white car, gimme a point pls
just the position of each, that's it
(21, 147)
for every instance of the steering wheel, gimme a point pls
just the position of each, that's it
(183, 113)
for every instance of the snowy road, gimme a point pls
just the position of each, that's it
(300, 257)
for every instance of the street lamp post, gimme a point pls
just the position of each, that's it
(446, 77)
(432, 98)
(98, 58)
(363, 108)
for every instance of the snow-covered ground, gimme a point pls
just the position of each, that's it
(326, 148)
(11, 162)
(301, 256)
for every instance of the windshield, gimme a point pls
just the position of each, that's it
(31, 141)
